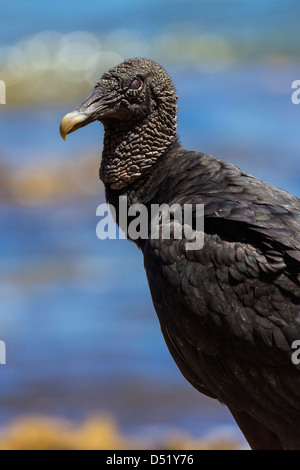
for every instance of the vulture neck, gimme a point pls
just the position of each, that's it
(132, 148)
(152, 187)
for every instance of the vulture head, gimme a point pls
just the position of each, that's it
(136, 103)
(128, 92)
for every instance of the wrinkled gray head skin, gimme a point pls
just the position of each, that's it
(136, 102)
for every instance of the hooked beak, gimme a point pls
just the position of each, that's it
(71, 122)
(84, 114)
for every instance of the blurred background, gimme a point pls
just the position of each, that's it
(85, 356)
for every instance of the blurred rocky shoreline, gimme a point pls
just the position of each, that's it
(33, 184)
(97, 433)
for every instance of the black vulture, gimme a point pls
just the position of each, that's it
(229, 311)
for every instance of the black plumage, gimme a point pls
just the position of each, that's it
(229, 312)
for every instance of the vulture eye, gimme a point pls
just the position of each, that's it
(136, 84)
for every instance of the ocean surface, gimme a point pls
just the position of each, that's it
(82, 336)
(276, 22)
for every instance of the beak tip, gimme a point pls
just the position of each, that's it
(62, 133)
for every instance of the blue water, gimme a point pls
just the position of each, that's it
(76, 314)
(248, 20)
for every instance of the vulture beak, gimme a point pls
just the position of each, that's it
(84, 114)
(71, 122)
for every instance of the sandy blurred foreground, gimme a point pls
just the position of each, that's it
(97, 433)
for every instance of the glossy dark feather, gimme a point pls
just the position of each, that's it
(230, 311)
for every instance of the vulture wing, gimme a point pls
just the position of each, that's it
(230, 311)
